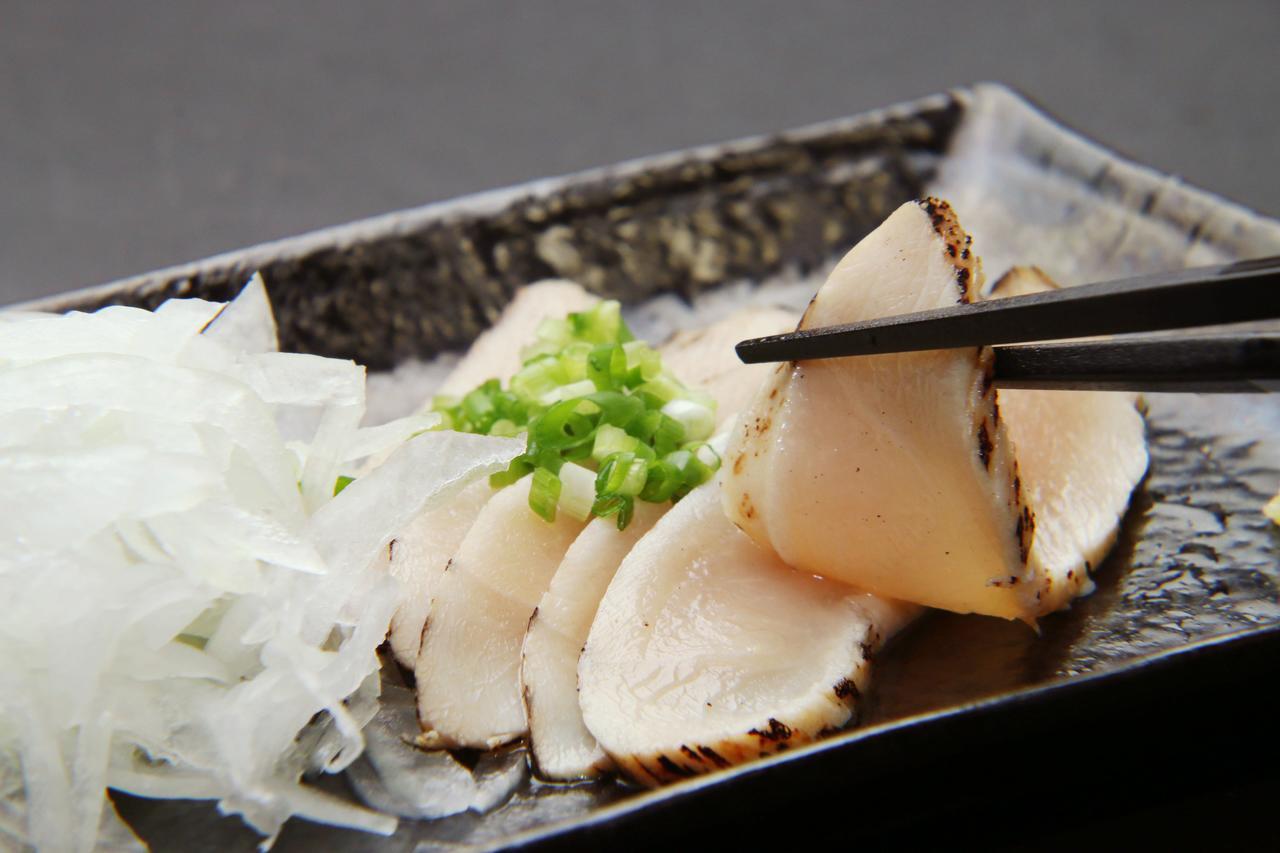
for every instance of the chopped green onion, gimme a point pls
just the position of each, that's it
(698, 420)
(589, 396)
(519, 468)
(634, 480)
(505, 428)
(612, 473)
(707, 455)
(572, 391)
(663, 479)
(578, 491)
(561, 426)
(616, 408)
(642, 360)
(661, 390)
(668, 436)
(610, 440)
(544, 493)
(601, 324)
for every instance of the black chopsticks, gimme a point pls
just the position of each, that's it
(1206, 296)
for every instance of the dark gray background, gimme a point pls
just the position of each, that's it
(136, 135)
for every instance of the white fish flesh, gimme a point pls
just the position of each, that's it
(708, 651)
(418, 556)
(1080, 454)
(896, 473)
(562, 747)
(468, 669)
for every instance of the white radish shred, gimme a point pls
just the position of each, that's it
(184, 595)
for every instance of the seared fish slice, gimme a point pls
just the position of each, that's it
(708, 651)
(468, 669)
(562, 746)
(889, 472)
(1080, 454)
(418, 557)
(896, 473)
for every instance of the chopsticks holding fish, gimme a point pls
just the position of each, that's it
(1232, 293)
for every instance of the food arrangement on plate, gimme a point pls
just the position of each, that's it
(648, 561)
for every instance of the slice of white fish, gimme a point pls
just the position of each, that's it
(468, 668)
(896, 473)
(418, 556)
(562, 747)
(707, 650)
(496, 353)
(1080, 454)
(420, 553)
(705, 358)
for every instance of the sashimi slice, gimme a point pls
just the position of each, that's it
(562, 747)
(418, 556)
(898, 474)
(708, 651)
(468, 668)
(892, 473)
(1080, 454)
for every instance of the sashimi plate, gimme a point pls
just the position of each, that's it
(1147, 692)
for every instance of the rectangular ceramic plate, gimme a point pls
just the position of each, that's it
(1148, 686)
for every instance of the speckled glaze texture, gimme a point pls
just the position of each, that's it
(1138, 662)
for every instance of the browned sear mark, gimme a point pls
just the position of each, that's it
(716, 758)
(673, 768)
(984, 445)
(846, 690)
(947, 226)
(777, 731)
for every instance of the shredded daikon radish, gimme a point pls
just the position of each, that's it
(189, 610)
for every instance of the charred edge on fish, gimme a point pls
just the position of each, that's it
(846, 691)
(984, 445)
(716, 758)
(777, 731)
(674, 769)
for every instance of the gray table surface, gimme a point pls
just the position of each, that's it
(136, 135)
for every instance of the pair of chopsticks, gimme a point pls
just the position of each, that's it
(1205, 296)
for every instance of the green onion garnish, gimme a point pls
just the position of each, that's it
(607, 425)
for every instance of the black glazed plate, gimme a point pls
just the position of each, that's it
(1146, 700)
